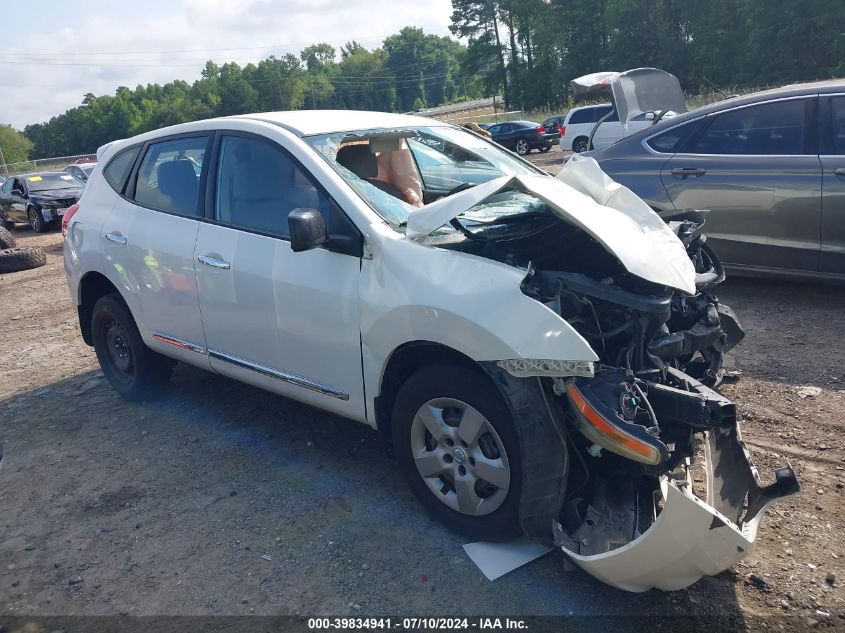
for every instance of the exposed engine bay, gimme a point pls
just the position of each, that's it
(649, 437)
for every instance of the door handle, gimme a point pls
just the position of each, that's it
(116, 237)
(214, 262)
(839, 171)
(683, 172)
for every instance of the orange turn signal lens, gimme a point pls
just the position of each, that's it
(606, 434)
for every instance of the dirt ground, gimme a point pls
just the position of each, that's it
(220, 499)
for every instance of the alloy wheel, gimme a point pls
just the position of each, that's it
(580, 145)
(522, 147)
(34, 220)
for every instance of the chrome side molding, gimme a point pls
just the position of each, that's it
(293, 379)
(178, 342)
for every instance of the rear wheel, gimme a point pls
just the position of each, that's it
(522, 147)
(458, 448)
(133, 369)
(545, 148)
(36, 220)
(580, 144)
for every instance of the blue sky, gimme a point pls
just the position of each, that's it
(53, 53)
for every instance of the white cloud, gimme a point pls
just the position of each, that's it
(172, 40)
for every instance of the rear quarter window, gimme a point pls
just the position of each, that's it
(117, 171)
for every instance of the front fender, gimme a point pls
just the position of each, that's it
(411, 292)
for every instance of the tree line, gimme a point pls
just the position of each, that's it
(537, 46)
(524, 50)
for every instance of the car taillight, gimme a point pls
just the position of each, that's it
(67, 216)
(541, 130)
(562, 130)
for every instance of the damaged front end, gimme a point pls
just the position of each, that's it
(661, 489)
(667, 492)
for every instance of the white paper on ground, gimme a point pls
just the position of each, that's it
(497, 559)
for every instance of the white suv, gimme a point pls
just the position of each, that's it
(534, 348)
(579, 123)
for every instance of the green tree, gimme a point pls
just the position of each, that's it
(15, 146)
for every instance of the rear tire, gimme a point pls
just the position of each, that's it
(545, 148)
(13, 260)
(7, 240)
(474, 486)
(580, 144)
(133, 369)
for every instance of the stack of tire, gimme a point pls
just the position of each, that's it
(13, 259)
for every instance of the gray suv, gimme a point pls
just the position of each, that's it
(769, 166)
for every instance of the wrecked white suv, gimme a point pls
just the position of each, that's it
(540, 351)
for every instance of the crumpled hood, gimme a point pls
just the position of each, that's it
(57, 194)
(583, 195)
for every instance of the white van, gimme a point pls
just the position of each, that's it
(575, 131)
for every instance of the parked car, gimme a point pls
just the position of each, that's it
(495, 333)
(579, 123)
(523, 136)
(554, 123)
(39, 198)
(81, 171)
(769, 166)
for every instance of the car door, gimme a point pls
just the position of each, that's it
(6, 197)
(756, 168)
(506, 135)
(285, 321)
(832, 156)
(148, 244)
(18, 200)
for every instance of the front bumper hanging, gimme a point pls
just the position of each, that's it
(691, 536)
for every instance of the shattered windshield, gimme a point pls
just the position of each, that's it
(398, 170)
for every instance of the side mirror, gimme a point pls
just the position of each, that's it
(649, 116)
(307, 229)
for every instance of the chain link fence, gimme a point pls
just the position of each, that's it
(44, 164)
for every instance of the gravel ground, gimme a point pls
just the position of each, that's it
(219, 498)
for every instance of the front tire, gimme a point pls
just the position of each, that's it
(522, 148)
(36, 220)
(458, 449)
(133, 369)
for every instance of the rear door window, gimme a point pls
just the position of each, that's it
(169, 175)
(775, 128)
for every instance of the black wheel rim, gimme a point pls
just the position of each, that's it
(34, 222)
(118, 350)
(580, 146)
